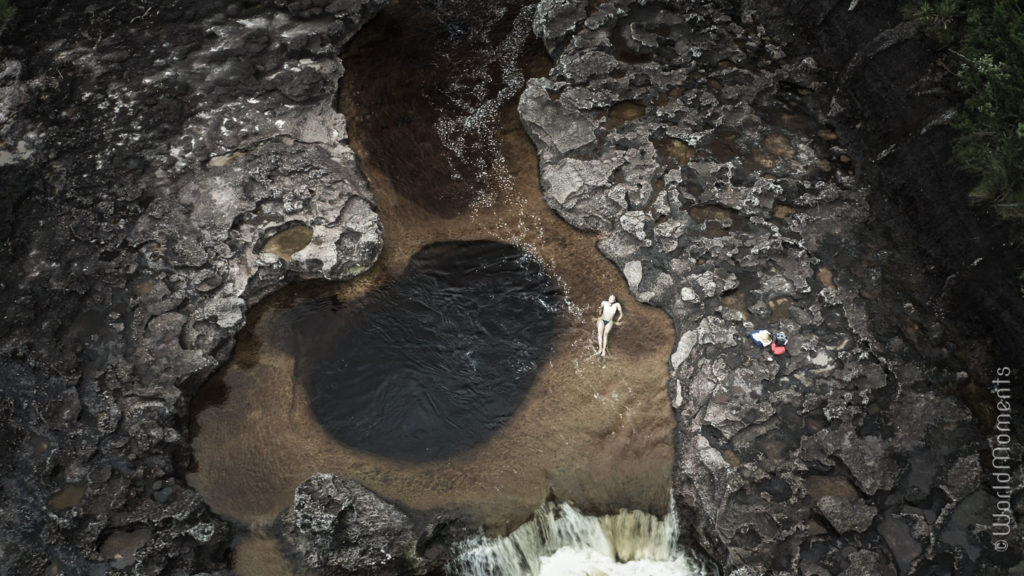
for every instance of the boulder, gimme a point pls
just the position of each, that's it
(338, 527)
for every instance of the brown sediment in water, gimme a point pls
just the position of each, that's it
(69, 497)
(724, 147)
(289, 241)
(591, 431)
(260, 554)
(623, 112)
(716, 221)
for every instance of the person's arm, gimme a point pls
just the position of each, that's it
(618, 308)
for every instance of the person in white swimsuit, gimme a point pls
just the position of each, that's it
(609, 308)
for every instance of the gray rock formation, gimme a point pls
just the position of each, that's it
(164, 167)
(893, 98)
(705, 158)
(339, 527)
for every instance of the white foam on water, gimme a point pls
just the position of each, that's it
(562, 541)
(572, 562)
(469, 120)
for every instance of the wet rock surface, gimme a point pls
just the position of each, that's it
(707, 158)
(166, 165)
(151, 153)
(339, 527)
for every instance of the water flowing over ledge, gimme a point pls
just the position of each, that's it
(561, 540)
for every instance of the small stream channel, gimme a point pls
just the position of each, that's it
(478, 278)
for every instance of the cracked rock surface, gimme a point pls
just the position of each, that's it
(165, 165)
(338, 526)
(706, 158)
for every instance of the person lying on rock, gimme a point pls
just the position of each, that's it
(609, 308)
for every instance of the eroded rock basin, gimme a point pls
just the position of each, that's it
(591, 431)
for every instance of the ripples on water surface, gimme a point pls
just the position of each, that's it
(436, 362)
(431, 80)
(429, 94)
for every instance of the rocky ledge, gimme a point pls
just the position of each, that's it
(893, 94)
(705, 156)
(165, 165)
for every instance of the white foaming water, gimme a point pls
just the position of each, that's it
(562, 541)
(469, 118)
(570, 562)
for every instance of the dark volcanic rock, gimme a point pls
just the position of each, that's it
(708, 159)
(149, 157)
(164, 165)
(339, 527)
(893, 98)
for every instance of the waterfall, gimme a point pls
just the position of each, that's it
(562, 541)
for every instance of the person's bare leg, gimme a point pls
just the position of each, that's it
(609, 308)
(605, 330)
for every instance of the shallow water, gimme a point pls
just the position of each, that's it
(592, 431)
(596, 432)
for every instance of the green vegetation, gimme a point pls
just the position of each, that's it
(943, 18)
(6, 11)
(987, 39)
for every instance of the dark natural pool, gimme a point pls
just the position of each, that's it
(436, 362)
(476, 324)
